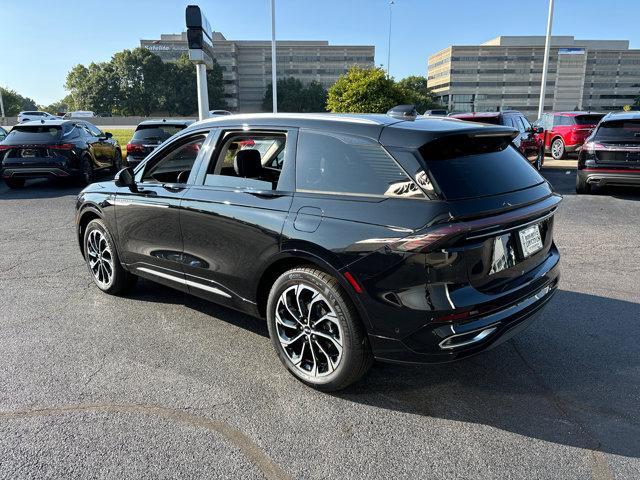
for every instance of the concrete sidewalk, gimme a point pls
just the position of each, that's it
(566, 164)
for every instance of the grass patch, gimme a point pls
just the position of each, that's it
(122, 135)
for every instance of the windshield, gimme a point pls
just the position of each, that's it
(619, 130)
(155, 133)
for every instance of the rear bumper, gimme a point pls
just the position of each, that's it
(37, 172)
(572, 148)
(595, 176)
(439, 343)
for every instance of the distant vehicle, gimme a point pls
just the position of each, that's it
(148, 135)
(436, 113)
(3, 134)
(565, 132)
(57, 149)
(35, 115)
(79, 114)
(526, 140)
(216, 113)
(611, 154)
(356, 237)
(403, 112)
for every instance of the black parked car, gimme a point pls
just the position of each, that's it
(356, 237)
(149, 134)
(526, 140)
(611, 154)
(57, 149)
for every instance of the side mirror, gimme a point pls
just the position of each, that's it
(108, 134)
(125, 178)
(538, 130)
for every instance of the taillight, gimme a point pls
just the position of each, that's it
(591, 147)
(134, 148)
(62, 146)
(427, 241)
(5, 147)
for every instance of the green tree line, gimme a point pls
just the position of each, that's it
(15, 103)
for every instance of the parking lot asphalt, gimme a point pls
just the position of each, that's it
(162, 385)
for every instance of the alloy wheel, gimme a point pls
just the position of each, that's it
(309, 331)
(557, 149)
(100, 258)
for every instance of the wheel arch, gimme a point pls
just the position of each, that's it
(288, 259)
(88, 213)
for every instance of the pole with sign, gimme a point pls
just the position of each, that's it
(199, 38)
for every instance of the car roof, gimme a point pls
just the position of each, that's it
(385, 128)
(633, 115)
(575, 114)
(476, 115)
(166, 122)
(46, 122)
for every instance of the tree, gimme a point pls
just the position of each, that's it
(364, 90)
(417, 92)
(137, 82)
(15, 103)
(294, 96)
(64, 105)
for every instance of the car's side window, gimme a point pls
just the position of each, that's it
(343, 164)
(247, 160)
(175, 164)
(525, 123)
(517, 120)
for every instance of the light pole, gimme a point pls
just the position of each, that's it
(391, 3)
(545, 64)
(274, 77)
(1, 108)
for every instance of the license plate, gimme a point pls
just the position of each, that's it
(530, 240)
(28, 152)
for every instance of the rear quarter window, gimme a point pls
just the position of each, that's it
(343, 164)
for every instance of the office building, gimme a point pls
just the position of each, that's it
(506, 73)
(246, 64)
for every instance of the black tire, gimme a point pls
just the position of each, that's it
(539, 160)
(356, 357)
(117, 162)
(582, 187)
(14, 182)
(87, 173)
(121, 280)
(559, 152)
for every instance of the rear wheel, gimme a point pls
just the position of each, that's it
(557, 149)
(103, 261)
(14, 182)
(582, 187)
(316, 331)
(117, 162)
(539, 160)
(87, 173)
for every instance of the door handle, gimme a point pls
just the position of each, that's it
(265, 194)
(173, 187)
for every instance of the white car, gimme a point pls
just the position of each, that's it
(80, 114)
(29, 116)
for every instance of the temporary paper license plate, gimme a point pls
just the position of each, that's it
(530, 240)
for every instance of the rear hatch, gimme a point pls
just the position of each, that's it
(32, 144)
(503, 205)
(146, 138)
(616, 143)
(584, 125)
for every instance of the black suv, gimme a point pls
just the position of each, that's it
(611, 154)
(356, 237)
(148, 135)
(57, 149)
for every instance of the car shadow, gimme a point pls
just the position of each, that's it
(571, 379)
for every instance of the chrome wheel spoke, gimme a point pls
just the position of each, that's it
(99, 258)
(308, 330)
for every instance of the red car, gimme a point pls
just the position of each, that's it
(565, 132)
(526, 141)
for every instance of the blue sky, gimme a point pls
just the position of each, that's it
(42, 39)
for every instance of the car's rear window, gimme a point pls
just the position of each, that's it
(492, 120)
(34, 133)
(156, 132)
(619, 130)
(588, 119)
(478, 167)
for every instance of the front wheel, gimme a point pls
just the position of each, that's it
(103, 261)
(316, 330)
(557, 149)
